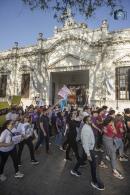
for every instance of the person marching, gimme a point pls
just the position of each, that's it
(88, 143)
(7, 149)
(27, 133)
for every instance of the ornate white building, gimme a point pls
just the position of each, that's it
(97, 59)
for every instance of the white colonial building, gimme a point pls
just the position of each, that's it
(97, 60)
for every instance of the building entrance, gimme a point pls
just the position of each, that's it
(76, 81)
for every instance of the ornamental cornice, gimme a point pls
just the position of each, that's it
(19, 55)
(71, 68)
(119, 41)
(65, 39)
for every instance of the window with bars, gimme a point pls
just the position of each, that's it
(123, 83)
(25, 85)
(3, 85)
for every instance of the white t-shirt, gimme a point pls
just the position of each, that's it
(40, 103)
(26, 129)
(11, 116)
(17, 137)
(19, 128)
(6, 137)
(8, 116)
(84, 113)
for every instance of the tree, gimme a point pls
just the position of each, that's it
(86, 8)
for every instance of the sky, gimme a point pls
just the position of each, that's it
(19, 24)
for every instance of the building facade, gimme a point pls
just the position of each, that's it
(96, 60)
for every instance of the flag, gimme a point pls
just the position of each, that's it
(63, 103)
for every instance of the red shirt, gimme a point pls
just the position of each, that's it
(100, 120)
(118, 126)
(109, 131)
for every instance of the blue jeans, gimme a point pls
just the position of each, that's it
(58, 139)
(40, 140)
(119, 145)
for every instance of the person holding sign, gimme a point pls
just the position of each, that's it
(8, 150)
(27, 133)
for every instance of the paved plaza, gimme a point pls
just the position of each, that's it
(52, 177)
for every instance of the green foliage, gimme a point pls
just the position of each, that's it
(2, 120)
(84, 7)
(4, 105)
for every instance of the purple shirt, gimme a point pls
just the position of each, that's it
(94, 119)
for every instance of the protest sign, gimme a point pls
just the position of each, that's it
(64, 92)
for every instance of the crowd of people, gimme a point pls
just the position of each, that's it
(102, 135)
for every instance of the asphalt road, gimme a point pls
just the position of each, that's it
(52, 177)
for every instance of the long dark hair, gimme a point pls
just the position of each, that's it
(4, 126)
(108, 120)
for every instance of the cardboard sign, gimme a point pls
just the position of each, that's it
(16, 100)
(64, 92)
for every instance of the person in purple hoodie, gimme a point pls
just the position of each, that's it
(34, 119)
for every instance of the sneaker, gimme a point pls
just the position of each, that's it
(34, 162)
(61, 148)
(117, 175)
(3, 177)
(19, 165)
(103, 165)
(123, 159)
(126, 156)
(107, 158)
(70, 159)
(75, 173)
(19, 175)
(97, 149)
(83, 164)
(98, 186)
(101, 150)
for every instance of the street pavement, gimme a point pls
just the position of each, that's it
(52, 177)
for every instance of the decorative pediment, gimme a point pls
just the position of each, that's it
(123, 60)
(69, 60)
(25, 68)
(4, 70)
